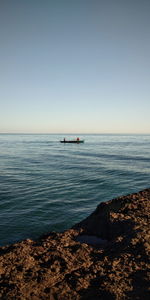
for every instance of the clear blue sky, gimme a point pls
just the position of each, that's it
(78, 66)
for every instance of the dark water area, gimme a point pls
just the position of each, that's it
(48, 186)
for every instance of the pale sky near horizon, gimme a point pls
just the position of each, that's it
(75, 66)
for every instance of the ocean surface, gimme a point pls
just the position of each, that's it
(48, 186)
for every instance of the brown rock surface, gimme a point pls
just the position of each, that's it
(57, 266)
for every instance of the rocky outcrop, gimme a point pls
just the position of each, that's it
(106, 256)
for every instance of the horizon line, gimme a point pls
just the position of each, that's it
(80, 133)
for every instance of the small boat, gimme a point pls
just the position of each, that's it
(77, 141)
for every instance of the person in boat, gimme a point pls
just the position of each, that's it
(64, 139)
(78, 139)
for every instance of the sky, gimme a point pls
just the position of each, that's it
(74, 66)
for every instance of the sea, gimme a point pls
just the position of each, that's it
(48, 186)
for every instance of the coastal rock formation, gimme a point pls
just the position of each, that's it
(106, 256)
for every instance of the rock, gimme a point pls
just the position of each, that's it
(105, 256)
(91, 240)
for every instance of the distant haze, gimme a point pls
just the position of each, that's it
(70, 66)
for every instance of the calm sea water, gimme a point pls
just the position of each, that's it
(46, 185)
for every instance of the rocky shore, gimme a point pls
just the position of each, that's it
(106, 256)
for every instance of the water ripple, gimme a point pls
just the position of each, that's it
(45, 185)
